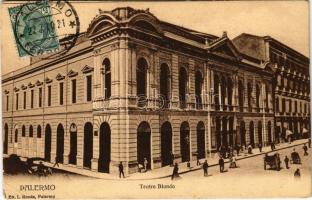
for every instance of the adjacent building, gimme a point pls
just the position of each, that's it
(291, 83)
(133, 88)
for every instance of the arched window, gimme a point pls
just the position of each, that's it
(223, 92)
(165, 84)
(266, 98)
(198, 89)
(258, 97)
(23, 131)
(39, 131)
(182, 87)
(16, 136)
(241, 95)
(141, 73)
(107, 78)
(31, 131)
(230, 92)
(249, 88)
(216, 92)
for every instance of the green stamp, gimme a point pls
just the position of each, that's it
(34, 29)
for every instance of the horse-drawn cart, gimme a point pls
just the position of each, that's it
(273, 161)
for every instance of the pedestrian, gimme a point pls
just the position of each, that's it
(309, 142)
(297, 173)
(286, 160)
(40, 169)
(175, 172)
(233, 162)
(237, 149)
(145, 163)
(197, 162)
(249, 149)
(260, 147)
(305, 148)
(56, 162)
(121, 170)
(205, 168)
(172, 158)
(221, 164)
(272, 146)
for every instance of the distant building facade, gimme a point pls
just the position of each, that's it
(135, 87)
(291, 83)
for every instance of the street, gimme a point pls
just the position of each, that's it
(250, 177)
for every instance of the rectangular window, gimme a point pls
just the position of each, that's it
(74, 91)
(296, 107)
(89, 88)
(61, 93)
(7, 103)
(40, 98)
(49, 95)
(32, 98)
(16, 101)
(24, 104)
(283, 105)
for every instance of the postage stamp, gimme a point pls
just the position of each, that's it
(33, 28)
(44, 27)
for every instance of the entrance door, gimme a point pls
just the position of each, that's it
(144, 144)
(105, 148)
(166, 144)
(60, 143)
(185, 141)
(73, 148)
(47, 143)
(6, 137)
(88, 145)
(201, 140)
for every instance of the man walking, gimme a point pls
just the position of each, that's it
(56, 162)
(260, 147)
(121, 170)
(305, 148)
(205, 168)
(145, 164)
(221, 164)
(175, 172)
(286, 160)
(309, 142)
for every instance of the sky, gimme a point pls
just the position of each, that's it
(286, 21)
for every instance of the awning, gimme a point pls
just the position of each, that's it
(288, 132)
(304, 130)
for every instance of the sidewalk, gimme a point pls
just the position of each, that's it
(166, 172)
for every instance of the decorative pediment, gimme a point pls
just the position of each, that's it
(24, 87)
(38, 83)
(224, 47)
(72, 73)
(6, 91)
(16, 89)
(48, 80)
(59, 77)
(87, 69)
(30, 85)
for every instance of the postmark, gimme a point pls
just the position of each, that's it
(44, 27)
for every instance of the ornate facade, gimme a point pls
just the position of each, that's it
(135, 87)
(291, 83)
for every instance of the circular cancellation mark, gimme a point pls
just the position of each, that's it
(51, 28)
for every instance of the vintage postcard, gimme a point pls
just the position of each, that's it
(183, 99)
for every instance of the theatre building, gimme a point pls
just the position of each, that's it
(291, 83)
(136, 87)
